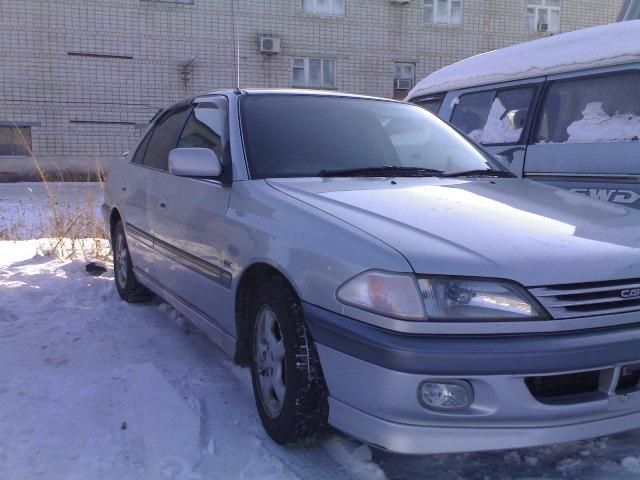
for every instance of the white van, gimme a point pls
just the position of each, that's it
(563, 109)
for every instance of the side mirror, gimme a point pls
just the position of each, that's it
(194, 162)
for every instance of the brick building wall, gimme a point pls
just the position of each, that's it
(86, 75)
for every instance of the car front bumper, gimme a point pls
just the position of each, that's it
(373, 376)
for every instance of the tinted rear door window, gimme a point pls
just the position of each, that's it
(142, 148)
(165, 138)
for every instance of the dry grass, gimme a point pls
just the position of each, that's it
(65, 222)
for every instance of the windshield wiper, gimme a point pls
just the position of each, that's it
(480, 173)
(387, 170)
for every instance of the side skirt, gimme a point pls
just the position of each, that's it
(205, 323)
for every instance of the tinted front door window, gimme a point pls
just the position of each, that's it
(206, 128)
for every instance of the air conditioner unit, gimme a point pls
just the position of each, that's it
(543, 27)
(400, 2)
(269, 45)
(404, 84)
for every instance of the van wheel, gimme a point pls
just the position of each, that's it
(288, 385)
(129, 288)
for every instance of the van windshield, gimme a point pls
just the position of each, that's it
(308, 136)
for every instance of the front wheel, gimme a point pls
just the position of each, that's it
(129, 289)
(288, 385)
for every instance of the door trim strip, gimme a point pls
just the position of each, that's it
(196, 264)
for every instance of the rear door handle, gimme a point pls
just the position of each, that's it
(162, 205)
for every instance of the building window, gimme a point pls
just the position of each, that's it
(543, 16)
(403, 79)
(314, 72)
(15, 141)
(448, 12)
(323, 7)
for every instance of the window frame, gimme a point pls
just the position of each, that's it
(306, 71)
(526, 128)
(536, 17)
(548, 85)
(434, 6)
(15, 127)
(314, 10)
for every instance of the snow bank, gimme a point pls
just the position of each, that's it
(592, 47)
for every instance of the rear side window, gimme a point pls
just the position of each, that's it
(494, 117)
(592, 110)
(165, 138)
(142, 148)
(206, 128)
(432, 103)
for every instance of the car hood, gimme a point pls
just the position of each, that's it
(502, 228)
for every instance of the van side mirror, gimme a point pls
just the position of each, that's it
(194, 162)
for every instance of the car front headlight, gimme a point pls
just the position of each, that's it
(391, 294)
(406, 297)
(470, 299)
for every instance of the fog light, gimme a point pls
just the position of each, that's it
(446, 395)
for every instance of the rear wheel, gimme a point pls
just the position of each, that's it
(129, 288)
(288, 385)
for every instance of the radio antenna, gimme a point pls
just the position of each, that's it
(238, 67)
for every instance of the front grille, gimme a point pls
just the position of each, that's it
(629, 378)
(553, 386)
(596, 298)
(609, 381)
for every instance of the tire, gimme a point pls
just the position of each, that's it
(129, 288)
(297, 410)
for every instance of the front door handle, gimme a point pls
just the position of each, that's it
(162, 205)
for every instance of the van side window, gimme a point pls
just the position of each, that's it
(207, 127)
(165, 138)
(431, 103)
(592, 110)
(493, 117)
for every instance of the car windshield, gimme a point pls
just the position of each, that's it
(310, 136)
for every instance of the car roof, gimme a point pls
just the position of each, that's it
(289, 91)
(600, 46)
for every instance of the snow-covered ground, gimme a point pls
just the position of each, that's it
(94, 388)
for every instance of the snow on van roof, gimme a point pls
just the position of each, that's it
(592, 47)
